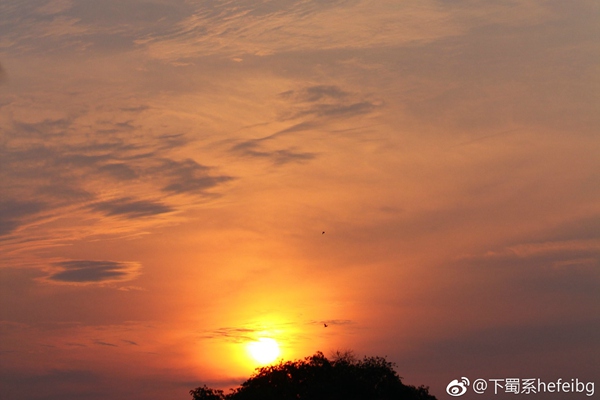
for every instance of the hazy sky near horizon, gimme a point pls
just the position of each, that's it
(167, 168)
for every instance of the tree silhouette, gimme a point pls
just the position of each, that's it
(206, 393)
(318, 378)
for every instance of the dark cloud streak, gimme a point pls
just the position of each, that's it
(92, 271)
(338, 110)
(130, 208)
(278, 157)
(64, 175)
(14, 213)
(2, 74)
(189, 177)
(315, 93)
(120, 171)
(236, 335)
(313, 108)
(101, 343)
(327, 101)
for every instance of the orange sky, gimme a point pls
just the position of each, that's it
(167, 169)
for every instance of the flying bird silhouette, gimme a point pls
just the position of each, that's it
(325, 325)
(322, 233)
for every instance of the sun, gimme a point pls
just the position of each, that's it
(264, 350)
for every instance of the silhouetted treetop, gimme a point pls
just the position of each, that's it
(318, 378)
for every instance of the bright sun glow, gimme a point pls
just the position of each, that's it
(264, 350)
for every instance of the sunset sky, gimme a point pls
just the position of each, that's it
(168, 168)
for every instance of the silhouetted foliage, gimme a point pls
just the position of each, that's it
(318, 378)
(206, 393)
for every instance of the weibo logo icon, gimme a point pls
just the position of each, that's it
(456, 388)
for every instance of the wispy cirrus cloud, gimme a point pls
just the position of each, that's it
(67, 177)
(119, 170)
(251, 28)
(310, 108)
(246, 333)
(250, 332)
(566, 251)
(334, 322)
(64, 26)
(180, 30)
(548, 265)
(188, 176)
(14, 212)
(327, 101)
(236, 335)
(315, 93)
